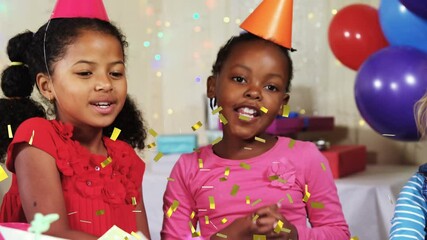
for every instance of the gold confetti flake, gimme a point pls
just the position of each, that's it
(106, 162)
(260, 139)
(196, 126)
(211, 202)
(248, 200)
(244, 118)
(255, 218)
(134, 201)
(227, 171)
(234, 190)
(223, 179)
(245, 166)
(193, 213)
(354, 238)
(193, 230)
(172, 208)
(100, 212)
(291, 143)
(9, 131)
(151, 145)
(223, 119)
(224, 220)
(281, 180)
(200, 163)
(273, 177)
(256, 202)
(216, 110)
(290, 198)
(286, 230)
(278, 227)
(170, 179)
(115, 134)
(221, 235)
(259, 237)
(285, 110)
(152, 132)
(217, 140)
(31, 138)
(206, 219)
(317, 205)
(3, 174)
(306, 195)
(264, 110)
(158, 156)
(323, 166)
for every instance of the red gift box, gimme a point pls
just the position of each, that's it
(346, 159)
(284, 126)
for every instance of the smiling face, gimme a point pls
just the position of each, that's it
(255, 76)
(89, 83)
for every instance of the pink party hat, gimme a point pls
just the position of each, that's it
(272, 20)
(80, 8)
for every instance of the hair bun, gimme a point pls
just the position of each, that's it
(16, 80)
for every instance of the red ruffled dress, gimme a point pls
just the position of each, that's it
(98, 195)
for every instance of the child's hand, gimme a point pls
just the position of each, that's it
(269, 222)
(263, 221)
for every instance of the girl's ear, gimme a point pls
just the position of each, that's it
(211, 86)
(44, 85)
(285, 101)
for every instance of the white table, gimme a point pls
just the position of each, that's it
(367, 198)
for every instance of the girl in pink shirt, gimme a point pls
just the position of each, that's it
(252, 185)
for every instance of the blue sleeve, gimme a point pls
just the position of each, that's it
(409, 214)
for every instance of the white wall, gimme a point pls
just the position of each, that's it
(167, 90)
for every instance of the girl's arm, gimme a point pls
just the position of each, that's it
(40, 189)
(141, 218)
(323, 207)
(178, 204)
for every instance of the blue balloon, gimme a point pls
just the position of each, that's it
(387, 86)
(401, 27)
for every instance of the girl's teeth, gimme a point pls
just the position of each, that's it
(246, 115)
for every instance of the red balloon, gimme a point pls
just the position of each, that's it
(355, 33)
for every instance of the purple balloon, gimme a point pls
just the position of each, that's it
(418, 7)
(387, 86)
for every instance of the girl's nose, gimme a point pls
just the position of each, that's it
(253, 93)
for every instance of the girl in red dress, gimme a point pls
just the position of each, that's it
(70, 165)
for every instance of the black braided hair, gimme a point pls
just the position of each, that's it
(226, 49)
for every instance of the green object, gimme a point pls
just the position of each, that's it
(41, 223)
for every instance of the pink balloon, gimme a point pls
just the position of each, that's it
(354, 34)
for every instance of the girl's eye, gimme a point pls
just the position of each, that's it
(84, 74)
(116, 74)
(271, 88)
(239, 79)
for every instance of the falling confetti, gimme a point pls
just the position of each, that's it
(196, 126)
(115, 134)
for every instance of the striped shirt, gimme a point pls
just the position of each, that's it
(410, 211)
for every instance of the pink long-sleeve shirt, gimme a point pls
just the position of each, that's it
(279, 175)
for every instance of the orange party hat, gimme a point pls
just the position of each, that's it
(80, 8)
(272, 20)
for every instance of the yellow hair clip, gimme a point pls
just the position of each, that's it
(16, 63)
